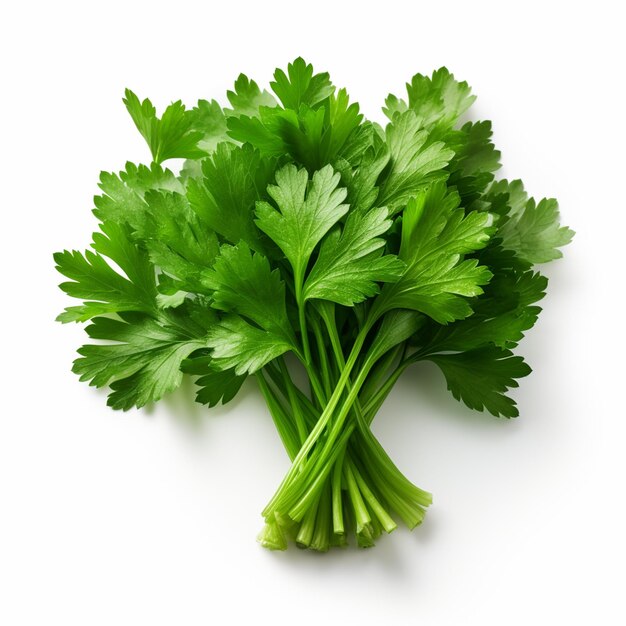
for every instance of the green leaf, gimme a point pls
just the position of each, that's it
(440, 100)
(397, 326)
(264, 131)
(143, 178)
(214, 386)
(234, 178)
(176, 240)
(475, 160)
(304, 212)
(415, 161)
(119, 203)
(300, 85)
(316, 136)
(208, 119)
(247, 98)
(501, 316)
(313, 127)
(122, 200)
(143, 363)
(246, 287)
(351, 261)
(243, 347)
(343, 119)
(364, 138)
(169, 137)
(532, 230)
(435, 235)
(480, 377)
(362, 182)
(103, 289)
(244, 283)
(437, 291)
(312, 136)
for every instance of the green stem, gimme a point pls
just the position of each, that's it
(319, 427)
(307, 361)
(283, 425)
(307, 527)
(298, 279)
(323, 357)
(321, 536)
(333, 334)
(376, 401)
(322, 461)
(383, 517)
(319, 477)
(378, 374)
(361, 513)
(299, 496)
(379, 459)
(338, 526)
(363, 423)
(336, 488)
(295, 405)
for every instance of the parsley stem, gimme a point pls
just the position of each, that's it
(306, 358)
(366, 492)
(330, 447)
(380, 459)
(337, 505)
(385, 519)
(362, 516)
(321, 536)
(298, 279)
(285, 430)
(295, 405)
(298, 462)
(307, 527)
(318, 478)
(300, 495)
(377, 376)
(377, 399)
(321, 349)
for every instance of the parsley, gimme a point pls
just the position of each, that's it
(296, 227)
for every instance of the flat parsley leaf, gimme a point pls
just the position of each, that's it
(435, 235)
(233, 179)
(243, 347)
(170, 137)
(531, 229)
(143, 362)
(480, 377)
(257, 329)
(215, 386)
(439, 100)
(300, 85)
(415, 161)
(351, 261)
(177, 240)
(304, 212)
(247, 98)
(103, 288)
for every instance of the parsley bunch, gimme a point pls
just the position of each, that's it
(297, 227)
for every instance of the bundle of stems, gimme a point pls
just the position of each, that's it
(341, 479)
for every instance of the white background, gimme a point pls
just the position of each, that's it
(150, 517)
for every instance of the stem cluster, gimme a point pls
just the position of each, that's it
(341, 480)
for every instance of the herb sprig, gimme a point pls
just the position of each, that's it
(296, 227)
